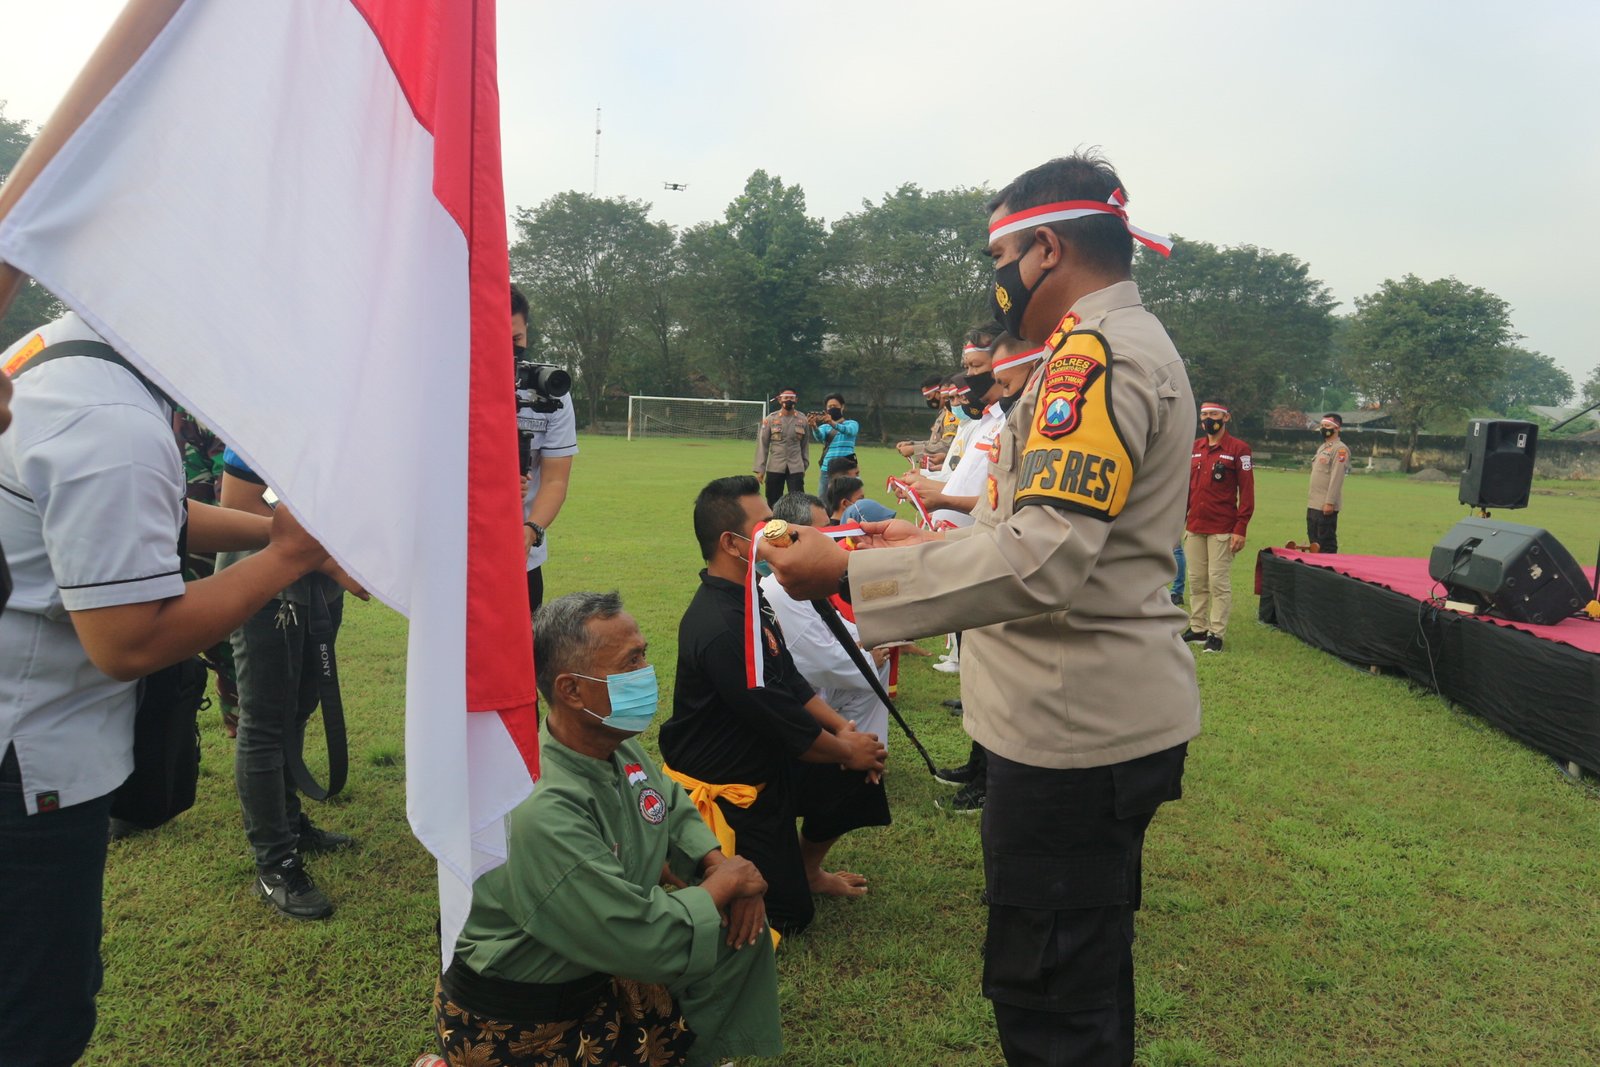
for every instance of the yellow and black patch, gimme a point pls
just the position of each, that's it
(1075, 457)
(25, 353)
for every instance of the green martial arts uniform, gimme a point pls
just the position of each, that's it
(579, 894)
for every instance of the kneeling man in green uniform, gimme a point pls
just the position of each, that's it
(573, 951)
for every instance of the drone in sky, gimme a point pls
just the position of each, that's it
(676, 187)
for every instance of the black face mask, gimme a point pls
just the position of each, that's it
(1009, 298)
(788, 405)
(934, 404)
(1328, 431)
(1210, 426)
(837, 413)
(519, 353)
(974, 411)
(1008, 402)
(980, 384)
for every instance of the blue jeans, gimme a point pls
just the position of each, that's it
(1177, 583)
(278, 686)
(52, 872)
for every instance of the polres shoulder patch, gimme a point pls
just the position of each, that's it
(1075, 457)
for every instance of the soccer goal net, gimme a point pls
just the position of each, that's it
(683, 416)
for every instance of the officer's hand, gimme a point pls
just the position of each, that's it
(893, 533)
(905, 448)
(1236, 542)
(290, 538)
(810, 567)
(1327, 509)
(761, 477)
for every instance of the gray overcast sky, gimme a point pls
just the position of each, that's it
(1370, 139)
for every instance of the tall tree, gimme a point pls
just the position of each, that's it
(657, 362)
(903, 281)
(1591, 387)
(1425, 349)
(33, 304)
(1528, 378)
(583, 262)
(1253, 326)
(750, 296)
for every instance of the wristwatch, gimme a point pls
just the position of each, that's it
(538, 533)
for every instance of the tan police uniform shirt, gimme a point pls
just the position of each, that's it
(1071, 656)
(1327, 475)
(940, 435)
(782, 444)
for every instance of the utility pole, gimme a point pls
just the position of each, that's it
(595, 189)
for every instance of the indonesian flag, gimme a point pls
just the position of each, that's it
(289, 215)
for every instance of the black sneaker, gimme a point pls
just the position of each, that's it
(314, 839)
(954, 703)
(1177, 598)
(962, 775)
(1213, 644)
(289, 888)
(969, 801)
(1193, 635)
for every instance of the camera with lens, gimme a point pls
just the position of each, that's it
(540, 387)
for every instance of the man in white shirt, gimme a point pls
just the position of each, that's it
(552, 442)
(91, 509)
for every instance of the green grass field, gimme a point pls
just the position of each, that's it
(1358, 873)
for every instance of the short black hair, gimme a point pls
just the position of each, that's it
(1101, 241)
(932, 380)
(833, 396)
(718, 510)
(840, 464)
(519, 303)
(985, 335)
(839, 488)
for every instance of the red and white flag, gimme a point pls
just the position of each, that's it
(290, 216)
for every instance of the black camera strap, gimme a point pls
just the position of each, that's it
(830, 617)
(321, 632)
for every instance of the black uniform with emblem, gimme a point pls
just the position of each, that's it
(725, 733)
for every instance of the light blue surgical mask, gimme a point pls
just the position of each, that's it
(635, 695)
(763, 568)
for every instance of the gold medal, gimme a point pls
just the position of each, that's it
(777, 533)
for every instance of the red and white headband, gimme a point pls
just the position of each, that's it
(1021, 359)
(1067, 210)
(788, 394)
(932, 390)
(1218, 408)
(970, 349)
(1331, 422)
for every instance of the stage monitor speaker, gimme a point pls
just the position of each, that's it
(1520, 573)
(1499, 471)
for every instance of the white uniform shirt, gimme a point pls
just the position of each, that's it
(91, 501)
(972, 473)
(827, 666)
(958, 448)
(554, 435)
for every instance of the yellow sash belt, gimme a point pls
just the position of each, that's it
(704, 795)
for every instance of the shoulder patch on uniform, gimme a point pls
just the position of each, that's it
(1244, 463)
(1074, 457)
(25, 353)
(1342, 454)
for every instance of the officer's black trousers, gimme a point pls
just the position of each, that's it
(1061, 856)
(1323, 530)
(779, 483)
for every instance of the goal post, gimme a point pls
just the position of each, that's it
(687, 416)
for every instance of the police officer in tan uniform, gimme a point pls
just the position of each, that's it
(1078, 687)
(782, 449)
(1327, 486)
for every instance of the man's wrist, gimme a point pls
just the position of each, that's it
(844, 584)
(538, 532)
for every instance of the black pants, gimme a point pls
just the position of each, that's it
(779, 483)
(52, 870)
(764, 834)
(1323, 530)
(1062, 852)
(535, 589)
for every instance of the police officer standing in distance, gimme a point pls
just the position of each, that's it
(1327, 485)
(1222, 497)
(783, 449)
(1082, 693)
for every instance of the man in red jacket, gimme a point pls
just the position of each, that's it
(1222, 497)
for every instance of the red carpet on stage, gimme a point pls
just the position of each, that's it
(1540, 684)
(1409, 577)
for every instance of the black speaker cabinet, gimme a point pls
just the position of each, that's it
(1499, 471)
(1520, 572)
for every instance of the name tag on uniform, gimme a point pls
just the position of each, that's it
(533, 423)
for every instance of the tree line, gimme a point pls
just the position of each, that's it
(769, 297)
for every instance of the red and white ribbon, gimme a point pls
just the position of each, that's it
(1066, 210)
(755, 667)
(1021, 359)
(905, 492)
(932, 390)
(1218, 408)
(843, 531)
(972, 349)
(787, 394)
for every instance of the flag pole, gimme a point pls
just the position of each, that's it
(139, 24)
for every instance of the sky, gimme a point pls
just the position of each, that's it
(1370, 139)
